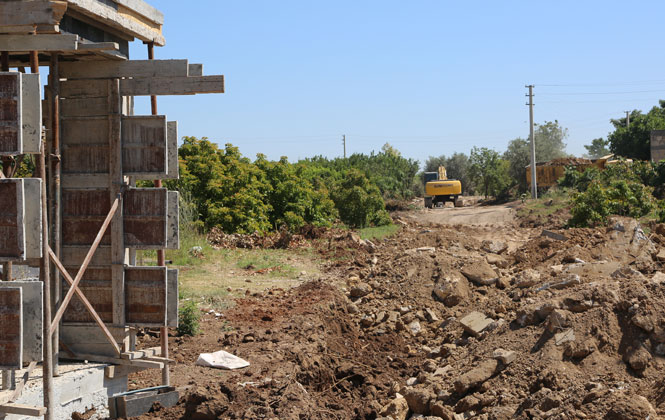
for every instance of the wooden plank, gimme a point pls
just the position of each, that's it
(22, 410)
(143, 9)
(145, 299)
(195, 70)
(105, 359)
(145, 220)
(89, 338)
(32, 192)
(11, 141)
(140, 354)
(118, 371)
(25, 43)
(32, 317)
(131, 68)
(144, 146)
(172, 150)
(116, 186)
(125, 23)
(31, 13)
(12, 229)
(74, 256)
(83, 107)
(83, 212)
(24, 380)
(31, 120)
(85, 181)
(84, 89)
(11, 328)
(172, 85)
(171, 298)
(173, 220)
(98, 46)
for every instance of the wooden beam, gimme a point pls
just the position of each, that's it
(172, 85)
(122, 22)
(38, 42)
(116, 371)
(74, 286)
(31, 13)
(143, 9)
(195, 70)
(131, 68)
(105, 359)
(22, 410)
(86, 303)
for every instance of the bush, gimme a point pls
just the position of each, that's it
(188, 319)
(359, 202)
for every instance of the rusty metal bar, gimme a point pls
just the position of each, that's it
(85, 301)
(161, 255)
(91, 252)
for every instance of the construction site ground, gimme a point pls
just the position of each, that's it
(484, 318)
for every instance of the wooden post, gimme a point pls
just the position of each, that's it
(116, 185)
(44, 273)
(56, 192)
(6, 267)
(161, 255)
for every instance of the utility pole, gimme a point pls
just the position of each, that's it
(534, 187)
(627, 118)
(344, 143)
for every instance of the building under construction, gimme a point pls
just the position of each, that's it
(67, 334)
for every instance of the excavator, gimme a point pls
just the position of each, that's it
(439, 189)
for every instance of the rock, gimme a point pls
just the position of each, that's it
(453, 290)
(631, 407)
(643, 322)
(475, 322)
(476, 376)
(506, 357)
(430, 315)
(627, 273)
(553, 235)
(658, 278)
(575, 350)
(564, 337)
(418, 400)
(411, 381)
(398, 408)
(494, 246)
(352, 308)
(527, 278)
(497, 261)
(637, 357)
(479, 272)
(470, 402)
(366, 321)
(557, 320)
(414, 251)
(567, 280)
(442, 371)
(661, 255)
(360, 290)
(440, 410)
(414, 327)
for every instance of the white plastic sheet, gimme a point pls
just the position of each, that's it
(221, 360)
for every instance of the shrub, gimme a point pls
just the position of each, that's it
(359, 202)
(188, 319)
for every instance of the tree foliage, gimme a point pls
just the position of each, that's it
(489, 172)
(598, 148)
(634, 141)
(359, 201)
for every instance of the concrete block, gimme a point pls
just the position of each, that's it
(32, 192)
(32, 317)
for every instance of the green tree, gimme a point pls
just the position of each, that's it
(634, 141)
(358, 201)
(550, 145)
(489, 172)
(597, 148)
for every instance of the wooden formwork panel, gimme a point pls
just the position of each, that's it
(12, 231)
(105, 69)
(85, 145)
(74, 256)
(31, 118)
(96, 285)
(11, 328)
(89, 339)
(173, 220)
(144, 146)
(32, 192)
(84, 107)
(83, 213)
(145, 296)
(172, 164)
(172, 298)
(144, 214)
(10, 114)
(32, 315)
(84, 89)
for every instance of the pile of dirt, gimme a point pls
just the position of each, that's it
(449, 322)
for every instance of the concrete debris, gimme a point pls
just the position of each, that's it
(475, 323)
(553, 235)
(476, 376)
(479, 272)
(494, 246)
(397, 408)
(506, 357)
(564, 337)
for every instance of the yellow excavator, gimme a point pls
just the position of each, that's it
(439, 189)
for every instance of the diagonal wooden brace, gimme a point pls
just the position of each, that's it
(85, 301)
(73, 288)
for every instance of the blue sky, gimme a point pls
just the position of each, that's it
(429, 77)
